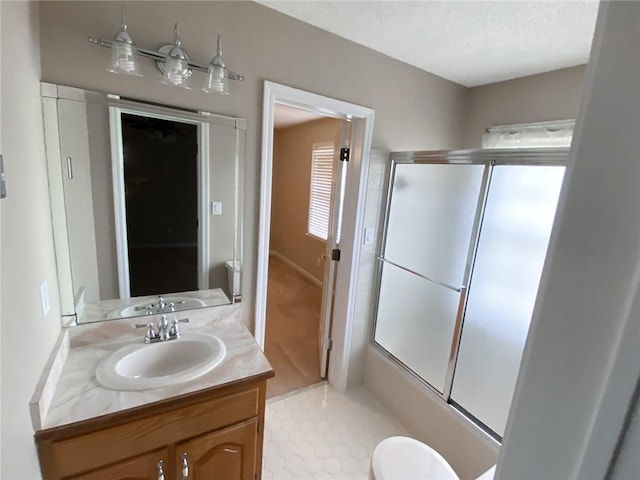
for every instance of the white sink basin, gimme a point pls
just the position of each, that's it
(139, 308)
(145, 366)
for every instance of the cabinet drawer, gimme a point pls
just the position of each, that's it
(63, 457)
(142, 467)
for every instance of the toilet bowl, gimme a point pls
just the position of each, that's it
(404, 458)
(233, 276)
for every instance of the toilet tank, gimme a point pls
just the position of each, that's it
(233, 276)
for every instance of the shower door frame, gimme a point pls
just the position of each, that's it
(489, 158)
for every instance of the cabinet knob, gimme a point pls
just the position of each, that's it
(185, 467)
(161, 470)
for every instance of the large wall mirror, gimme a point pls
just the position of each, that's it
(146, 205)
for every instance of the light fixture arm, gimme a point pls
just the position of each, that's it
(219, 54)
(176, 36)
(123, 25)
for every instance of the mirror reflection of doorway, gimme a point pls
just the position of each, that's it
(161, 203)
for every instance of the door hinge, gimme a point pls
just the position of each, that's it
(335, 254)
(329, 344)
(344, 154)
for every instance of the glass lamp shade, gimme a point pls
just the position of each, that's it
(124, 58)
(124, 55)
(217, 80)
(176, 70)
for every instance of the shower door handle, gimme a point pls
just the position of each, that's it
(455, 343)
(70, 168)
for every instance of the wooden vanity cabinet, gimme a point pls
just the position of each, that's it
(217, 432)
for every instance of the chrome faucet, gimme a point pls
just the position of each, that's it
(163, 328)
(161, 305)
(164, 332)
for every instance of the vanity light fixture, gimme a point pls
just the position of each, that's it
(171, 60)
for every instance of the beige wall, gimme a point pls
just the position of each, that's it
(292, 148)
(548, 96)
(413, 109)
(27, 244)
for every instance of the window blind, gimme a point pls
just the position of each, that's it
(320, 190)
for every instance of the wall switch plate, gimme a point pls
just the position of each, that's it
(216, 208)
(369, 235)
(3, 184)
(44, 298)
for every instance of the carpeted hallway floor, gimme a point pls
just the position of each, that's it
(293, 315)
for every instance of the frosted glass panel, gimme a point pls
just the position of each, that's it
(415, 322)
(513, 243)
(431, 219)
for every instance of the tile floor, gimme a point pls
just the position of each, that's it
(320, 433)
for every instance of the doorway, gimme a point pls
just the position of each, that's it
(161, 203)
(160, 181)
(305, 192)
(338, 308)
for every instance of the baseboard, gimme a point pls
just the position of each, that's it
(297, 268)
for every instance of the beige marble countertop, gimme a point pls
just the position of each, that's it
(89, 312)
(70, 392)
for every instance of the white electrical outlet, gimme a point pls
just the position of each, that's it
(369, 235)
(44, 298)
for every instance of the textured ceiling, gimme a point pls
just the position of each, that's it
(285, 116)
(468, 42)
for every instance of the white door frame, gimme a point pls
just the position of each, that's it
(353, 213)
(119, 202)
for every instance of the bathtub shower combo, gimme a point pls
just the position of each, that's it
(461, 256)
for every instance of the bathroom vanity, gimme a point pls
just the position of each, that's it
(210, 427)
(212, 434)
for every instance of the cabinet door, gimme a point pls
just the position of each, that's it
(142, 467)
(227, 454)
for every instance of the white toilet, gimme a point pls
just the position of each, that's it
(404, 458)
(233, 276)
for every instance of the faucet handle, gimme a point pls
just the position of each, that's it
(175, 331)
(150, 334)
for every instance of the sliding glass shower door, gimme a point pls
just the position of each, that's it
(465, 241)
(516, 226)
(430, 226)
